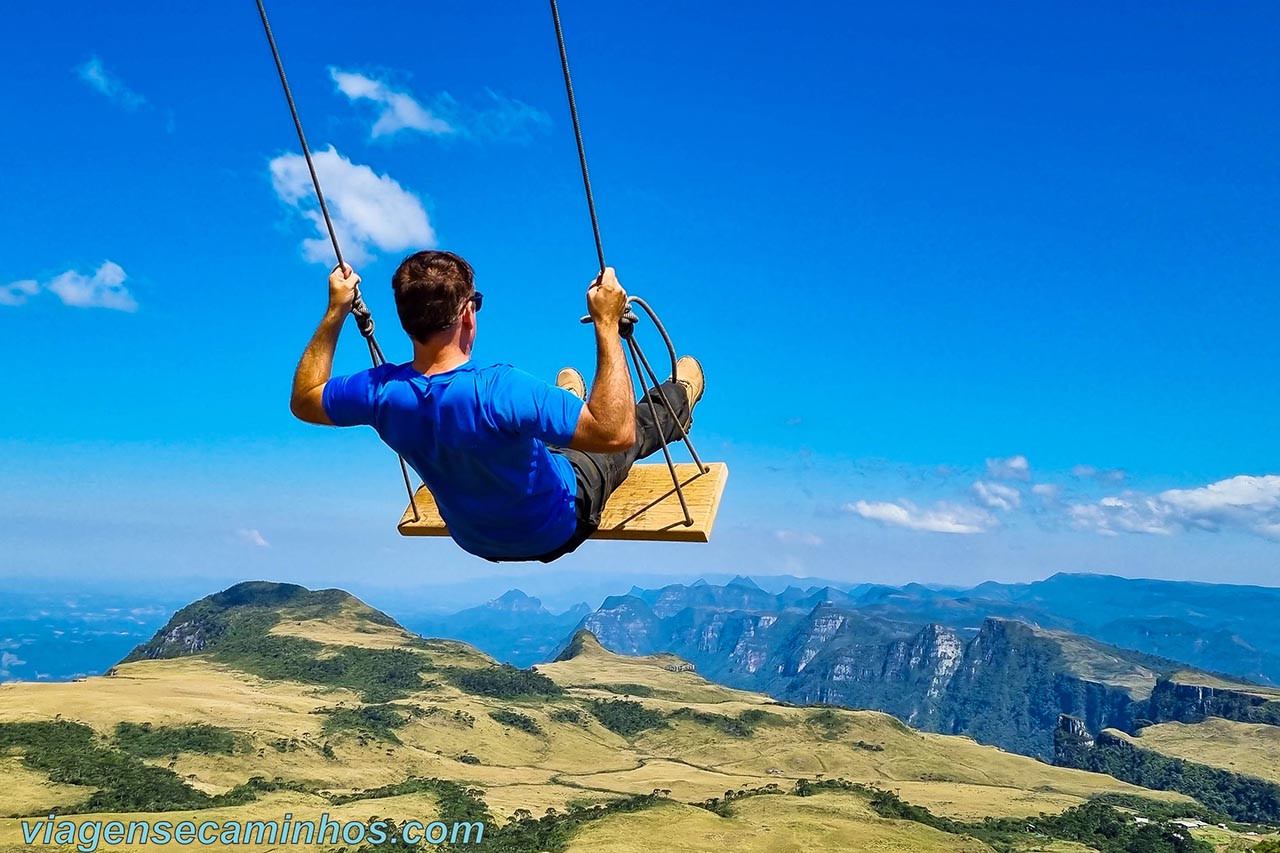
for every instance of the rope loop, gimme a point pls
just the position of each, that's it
(363, 316)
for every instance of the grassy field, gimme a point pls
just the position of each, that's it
(770, 825)
(1249, 748)
(708, 740)
(1204, 679)
(1095, 662)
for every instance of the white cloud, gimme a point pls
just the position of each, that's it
(1243, 502)
(95, 74)
(103, 289)
(253, 537)
(18, 292)
(1127, 513)
(1013, 468)
(369, 210)
(1048, 491)
(503, 118)
(397, 110)
(1227, 498)
(8, 661)
(997, 496)
(941, 518)
(1102, 475)
(798, 537)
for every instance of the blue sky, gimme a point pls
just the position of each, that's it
(981, 293)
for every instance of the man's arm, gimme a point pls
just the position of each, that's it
(316, 365)
(608, 421)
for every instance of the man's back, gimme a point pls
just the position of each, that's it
(478, 437)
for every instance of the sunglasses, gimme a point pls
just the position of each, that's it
(476, 298)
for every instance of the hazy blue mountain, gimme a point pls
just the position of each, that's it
(1002, 681)
(1218, 627)
(514, 627)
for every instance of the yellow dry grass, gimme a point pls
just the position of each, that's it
(906, 755)
(270, 807)
(1249, 748)
(1204, 679)
(686, 782)
(768, 825)
(25, 790)
(280, 735)
(595, 665)
(173, 692)
(1094, 662)
(347, 629)
(973, 802)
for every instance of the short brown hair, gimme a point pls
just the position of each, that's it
(430, 289)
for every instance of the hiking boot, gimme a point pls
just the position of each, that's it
(689, 374)
(571, 380)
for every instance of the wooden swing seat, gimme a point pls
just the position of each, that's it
(645, 508)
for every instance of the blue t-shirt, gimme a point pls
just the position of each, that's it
(478, 437)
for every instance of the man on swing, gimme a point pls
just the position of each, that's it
(520, 469)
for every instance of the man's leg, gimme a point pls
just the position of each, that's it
(600, 474)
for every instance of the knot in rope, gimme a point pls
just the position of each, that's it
(363, 316)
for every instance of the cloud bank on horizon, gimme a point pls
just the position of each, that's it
(1245, 503)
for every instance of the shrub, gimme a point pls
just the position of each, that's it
(147, 741)
(625, 717)
(504, 682)
(517, 721)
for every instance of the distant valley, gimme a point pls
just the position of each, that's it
(998, 662)
(266, 699)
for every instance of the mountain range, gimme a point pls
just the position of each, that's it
(998, 662)
(516, 626)
(268, 700)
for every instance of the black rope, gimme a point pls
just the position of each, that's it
(634, 348)
(577, 133)
(363, 317)
(638, 359)
(360, 311)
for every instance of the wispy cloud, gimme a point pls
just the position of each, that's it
(1244, 502)
(251, 536)
(369, 211)
(19, 292)
(1102, 475)
(396, 110)
(798, 537)
(942, 517)
(1012, 468)
(8, 661)
(997, 496)
(104, 288)
(95, 74)
(502, 118)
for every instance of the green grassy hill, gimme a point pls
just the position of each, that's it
(268, 699)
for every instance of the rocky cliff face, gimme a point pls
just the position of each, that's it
(1005, 684)
(1174, 701)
